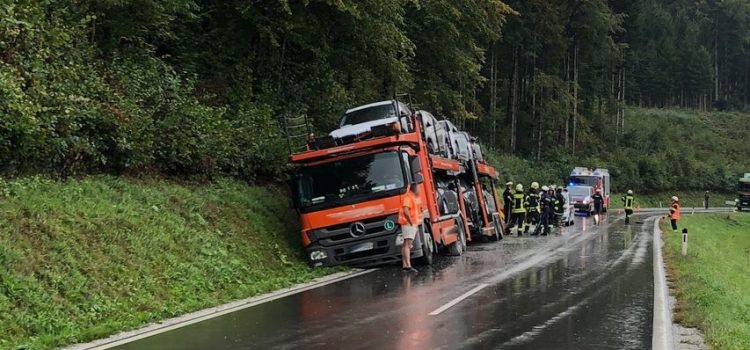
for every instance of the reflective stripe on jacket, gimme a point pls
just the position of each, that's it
(519, 200)
(628, 201)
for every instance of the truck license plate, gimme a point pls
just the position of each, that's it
(362, 247)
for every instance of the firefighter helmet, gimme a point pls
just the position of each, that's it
(545, 188)
(630, 192)
(519, 188)
(675, 199)
(535, 185)
(509, 183)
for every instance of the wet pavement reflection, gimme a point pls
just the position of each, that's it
(588, 287)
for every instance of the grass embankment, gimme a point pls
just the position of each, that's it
(712, 284)
(82, 259)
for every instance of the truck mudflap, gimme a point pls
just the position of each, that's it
(366, 252)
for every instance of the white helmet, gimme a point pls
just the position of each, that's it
(545, 188)
(630, 192)
(675, 199)
(535, 185)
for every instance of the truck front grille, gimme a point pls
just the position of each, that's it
(338, 234)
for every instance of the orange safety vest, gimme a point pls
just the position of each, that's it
(413, 203)
(675, 211)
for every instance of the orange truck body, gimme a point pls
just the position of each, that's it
(365, 231)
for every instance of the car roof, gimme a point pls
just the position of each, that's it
(376, 104)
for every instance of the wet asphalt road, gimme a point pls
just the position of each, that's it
(588, 287)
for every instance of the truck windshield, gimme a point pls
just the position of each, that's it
(582, 180)
(350, 180)
(368, 114)
(579, 191)
(744, 186)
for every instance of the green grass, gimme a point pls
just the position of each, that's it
(688, 199)
(712, 283)
(82, 259)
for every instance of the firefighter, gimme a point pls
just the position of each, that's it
(518, 211)
(507, 199)
(559, 203)
(546, 203)
(628, 201)
(675, 212)
(532, 206)
(598, 200)
(554, 219)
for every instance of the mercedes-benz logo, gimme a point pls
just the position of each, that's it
(357, 229)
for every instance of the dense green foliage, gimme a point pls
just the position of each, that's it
(82, 259)
(202, 88)
(711, 282)
(660, 150)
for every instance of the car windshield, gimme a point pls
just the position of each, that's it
(350, 180)
(583, 180)
(369, 114)
(579, 191)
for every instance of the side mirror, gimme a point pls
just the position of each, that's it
(416, 169)
(418, 178)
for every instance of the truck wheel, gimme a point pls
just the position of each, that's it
(427, 247)
(458, 247)
(498, 234)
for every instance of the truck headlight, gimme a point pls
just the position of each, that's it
(318, 255)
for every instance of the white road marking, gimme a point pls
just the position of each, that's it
(458, 300)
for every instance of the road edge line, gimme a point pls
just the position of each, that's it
(457, 300)
(212, 312)
(662, 337)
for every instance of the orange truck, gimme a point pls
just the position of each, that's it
(349, 190)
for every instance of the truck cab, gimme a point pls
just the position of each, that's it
(595, 179)
(350, 207)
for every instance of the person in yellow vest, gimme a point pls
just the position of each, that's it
(674, 212)
(628, 201)
(518, 211)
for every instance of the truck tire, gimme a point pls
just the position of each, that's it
(427, 247)
(458, 247)
(498, 227)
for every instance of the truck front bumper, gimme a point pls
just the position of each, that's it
(365, 252)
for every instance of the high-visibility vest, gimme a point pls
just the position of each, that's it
(519, 200)
(532, 201)
(629, 202)
(675, 211)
